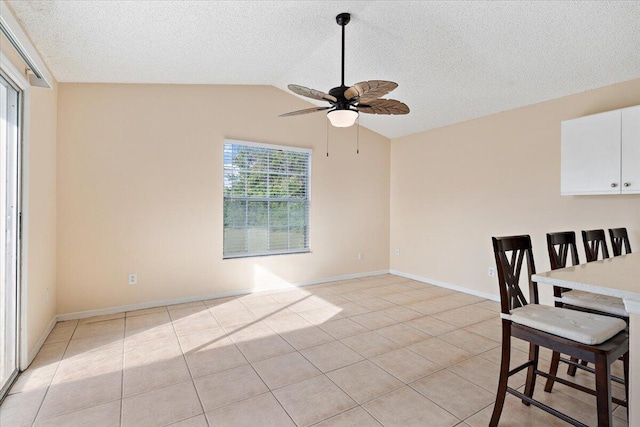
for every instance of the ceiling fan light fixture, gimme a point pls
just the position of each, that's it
(342, 118)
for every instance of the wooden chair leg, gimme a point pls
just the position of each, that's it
(571, 370)
(603, 391)
(553, 370)
(530, 386)
(504, 376)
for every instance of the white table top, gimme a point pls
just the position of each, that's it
(618, 276)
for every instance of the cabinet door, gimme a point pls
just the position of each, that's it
(590, 154)
(631, 150)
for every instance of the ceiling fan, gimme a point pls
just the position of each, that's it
(347, 102)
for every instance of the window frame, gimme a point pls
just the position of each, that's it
(308, 151)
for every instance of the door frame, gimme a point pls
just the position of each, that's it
(18, 79)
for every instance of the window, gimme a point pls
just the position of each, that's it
(266, 199)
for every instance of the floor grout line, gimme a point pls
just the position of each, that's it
(184, 358)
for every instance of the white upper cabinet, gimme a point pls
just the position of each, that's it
(631, 150)
(601, 153)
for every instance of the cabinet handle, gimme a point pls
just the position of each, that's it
(614, 185)
(627, 184)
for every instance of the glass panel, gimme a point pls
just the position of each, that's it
(228, 183)
(257, 227)
(257, 184)
(235, 241)
(278, 161)
(278, 186)
(298, 187)
(257, 214)
(297, 213)
(278, 214)
(238, 181)
(257, 159)
(257, 240)
(8, 233)
(235, 213)
(238, 157)
(298, 163)
(278, 238)
(298, 237)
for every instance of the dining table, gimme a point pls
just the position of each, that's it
(618, 277)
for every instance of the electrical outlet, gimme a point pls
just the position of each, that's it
(360, 256)
(397, 251)
(133, 278)
(492, 272)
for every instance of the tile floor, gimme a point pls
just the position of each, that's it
(375, 351)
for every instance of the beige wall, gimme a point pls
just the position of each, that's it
(41, 226)
(453, 188)
(140, 191)
(39, 205)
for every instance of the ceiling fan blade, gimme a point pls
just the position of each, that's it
(370, 90)
(383, 106)
(305, 111)
(311, 93)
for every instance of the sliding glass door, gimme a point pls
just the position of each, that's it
(9, 223)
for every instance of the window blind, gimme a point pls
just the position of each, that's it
(266, 199)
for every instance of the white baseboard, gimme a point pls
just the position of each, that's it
(36, 348)
(441, 284)
(337, 278)
(151, 304)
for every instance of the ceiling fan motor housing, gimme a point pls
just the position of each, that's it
(342, 103)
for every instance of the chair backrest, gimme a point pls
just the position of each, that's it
(560, 245)
(594, 243)
(510, 253)
(619, 238)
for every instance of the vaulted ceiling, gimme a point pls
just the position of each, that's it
(453, 61)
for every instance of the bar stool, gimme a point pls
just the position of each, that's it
(560, 246)
(619, 238)
(597, 339)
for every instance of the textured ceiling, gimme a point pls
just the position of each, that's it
(453, 61)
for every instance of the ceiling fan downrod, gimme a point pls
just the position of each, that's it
(342, 20)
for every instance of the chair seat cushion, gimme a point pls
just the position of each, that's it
(604, 303)
(586, 328)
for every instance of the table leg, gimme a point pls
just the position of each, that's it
(634, 364)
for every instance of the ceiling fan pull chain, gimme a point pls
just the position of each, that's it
(327, 133)
(358, 135)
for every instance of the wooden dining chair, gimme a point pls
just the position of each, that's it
(596, 339)
(619, 239)
(562, 247)
(594, 243)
